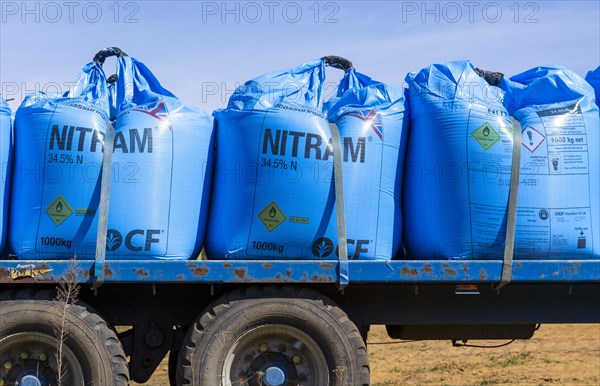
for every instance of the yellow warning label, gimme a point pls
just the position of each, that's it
(299, 220)
(59, 210)
(272, 216)
(486, 136)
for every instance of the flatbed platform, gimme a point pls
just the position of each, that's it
(300, 271)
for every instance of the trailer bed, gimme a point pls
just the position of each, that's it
(299, 271)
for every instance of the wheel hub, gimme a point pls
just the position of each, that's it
(274, 376)
(30, 380)
(29, 373)
(271, 369)
(24, 361)
(275, 355)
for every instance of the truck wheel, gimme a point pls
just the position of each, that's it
(172, 367)
(270, 336)
(92, 353)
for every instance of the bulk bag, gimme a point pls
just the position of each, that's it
(458, 165)
(5, 157)
(374, 113)
(58, 155)
(593, 78)
(163, 155)
(559, 208)
(274, 192)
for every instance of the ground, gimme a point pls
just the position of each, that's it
(557, 354)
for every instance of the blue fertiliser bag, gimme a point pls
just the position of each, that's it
(272, 193)
(457, 165)
(558, 213)
(5, 156)
(273, 189)
(593, 78)
(456, 196)
(158, 184)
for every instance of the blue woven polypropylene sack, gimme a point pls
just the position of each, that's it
(58, 156)
(558, 210)
(274, 196)
(163, 152)
(593, 78)
(458, 165)
(5, 156)
(374, 113)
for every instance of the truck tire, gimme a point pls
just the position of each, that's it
(92, 353)
(273, 336)
(172, 367)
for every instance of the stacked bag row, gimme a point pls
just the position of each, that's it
(457, 172)
(275, 134)
(159, 190)
(426, 170)
(274, 187)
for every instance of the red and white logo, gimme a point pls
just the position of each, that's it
(159, 112)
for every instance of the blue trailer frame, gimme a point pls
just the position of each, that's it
(300, 271)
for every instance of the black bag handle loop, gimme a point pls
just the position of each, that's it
(337, 62)
(101, 56)
(492, 78)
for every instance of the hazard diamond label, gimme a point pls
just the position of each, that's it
(486, 136)
(59, 210)
(532, 139)
(272, 216)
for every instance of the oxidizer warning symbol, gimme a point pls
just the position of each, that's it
(272, 216)
(59, 210)
(486, 136)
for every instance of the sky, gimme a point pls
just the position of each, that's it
(201, 50)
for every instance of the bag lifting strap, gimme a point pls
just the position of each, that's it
(109, 137)
(338, 182)
(511, 221)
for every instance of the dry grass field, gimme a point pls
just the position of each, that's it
(557, 354)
